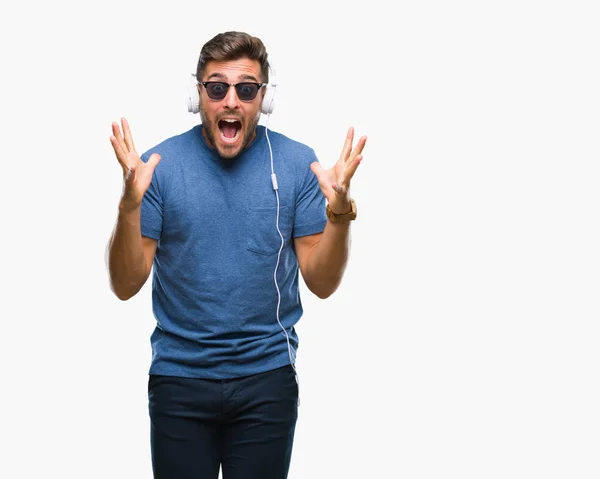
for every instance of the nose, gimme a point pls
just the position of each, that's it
(231, 99)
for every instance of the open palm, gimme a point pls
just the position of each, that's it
(335, 182)
(137, 175)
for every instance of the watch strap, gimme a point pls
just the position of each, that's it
(343, 217)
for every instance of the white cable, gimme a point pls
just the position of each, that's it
(276, 188)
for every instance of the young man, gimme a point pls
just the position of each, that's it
(228, 213)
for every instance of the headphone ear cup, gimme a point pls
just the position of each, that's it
(193, 102)
(268, 103)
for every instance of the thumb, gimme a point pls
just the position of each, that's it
(316, 168)
(154, 160)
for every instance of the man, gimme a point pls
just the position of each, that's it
(227, 214)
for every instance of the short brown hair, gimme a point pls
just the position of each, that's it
(233, 46)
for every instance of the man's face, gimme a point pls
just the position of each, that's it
(229, 124)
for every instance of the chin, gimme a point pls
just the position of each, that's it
(228, 153)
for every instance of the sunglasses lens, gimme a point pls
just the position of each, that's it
(246, 91)
(216, 90)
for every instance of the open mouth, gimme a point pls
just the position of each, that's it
(229, 129)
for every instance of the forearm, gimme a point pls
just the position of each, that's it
(126, 263)
(328, 260)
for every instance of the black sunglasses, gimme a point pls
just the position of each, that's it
(246, 91)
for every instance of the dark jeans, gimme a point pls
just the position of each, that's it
(245, 424)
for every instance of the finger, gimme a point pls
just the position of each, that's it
(357, 149)
(321, 174)
(118, 136)
(153, 160)
(316, 168)
(339, 189)
(119, 153)
(351, 168)
(347, 144)
(130, 175)
(127, 134)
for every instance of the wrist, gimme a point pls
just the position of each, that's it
(348, 215)
(343, 209)
(128, 209)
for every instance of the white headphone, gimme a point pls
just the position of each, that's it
(267, 106)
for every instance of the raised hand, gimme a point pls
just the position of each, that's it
(137, 175)
(335, 182)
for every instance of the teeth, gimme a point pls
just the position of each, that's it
(230, 121)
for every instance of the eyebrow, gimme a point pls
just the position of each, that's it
(221, 76)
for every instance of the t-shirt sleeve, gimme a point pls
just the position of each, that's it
(310, 215)
(152, 206)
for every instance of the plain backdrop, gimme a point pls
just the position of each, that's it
(464, 341)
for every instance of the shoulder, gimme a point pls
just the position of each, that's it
(293, 150)
(285, 140)
(175, 145)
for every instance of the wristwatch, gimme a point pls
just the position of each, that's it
(344, 217)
